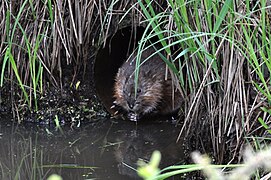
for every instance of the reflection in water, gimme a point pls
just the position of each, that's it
(29, 152)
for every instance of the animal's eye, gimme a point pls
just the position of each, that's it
(138, 90)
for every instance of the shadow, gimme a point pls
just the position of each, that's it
(109, 58)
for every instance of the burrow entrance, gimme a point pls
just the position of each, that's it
(109, 58)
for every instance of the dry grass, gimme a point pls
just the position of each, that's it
(70, 28)
(53, 34)
(224, 45)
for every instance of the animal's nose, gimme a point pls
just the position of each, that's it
(131, 105)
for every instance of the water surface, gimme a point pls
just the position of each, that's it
(107, 149)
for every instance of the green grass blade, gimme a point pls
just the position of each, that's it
(221, 17)
(15, 70)
(264, 124)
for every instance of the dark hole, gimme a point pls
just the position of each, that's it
(117, 49)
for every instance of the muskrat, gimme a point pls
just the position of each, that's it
(155, 93)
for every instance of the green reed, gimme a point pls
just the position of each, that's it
(31, 46)
(223, 57)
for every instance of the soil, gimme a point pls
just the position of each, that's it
(70, 104)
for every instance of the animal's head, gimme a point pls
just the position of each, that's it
(144, 98)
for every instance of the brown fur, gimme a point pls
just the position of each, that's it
(154, 93)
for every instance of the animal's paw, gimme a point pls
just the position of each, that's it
(116, 108)
(132, 116)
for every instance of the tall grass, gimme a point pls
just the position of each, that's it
(39, 37)
(23, 54)
(225, 56)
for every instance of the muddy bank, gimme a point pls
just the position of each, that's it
(74, 102)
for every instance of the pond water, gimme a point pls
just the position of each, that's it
(107, 149)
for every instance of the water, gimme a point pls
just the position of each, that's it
(107, 149)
